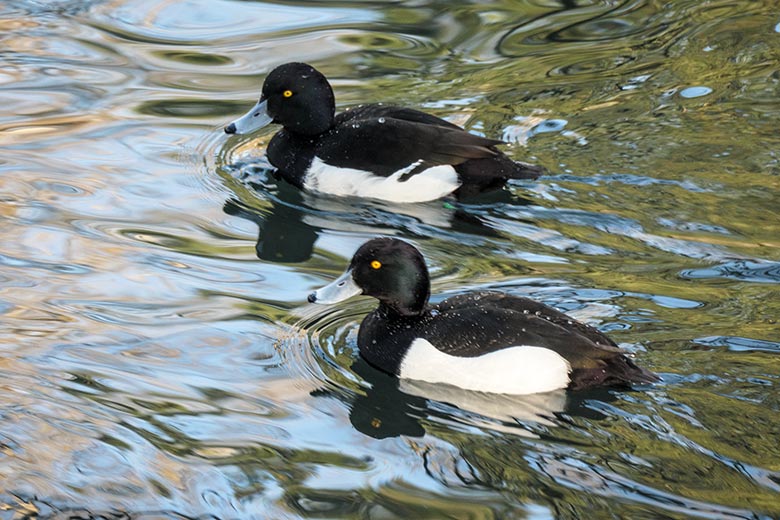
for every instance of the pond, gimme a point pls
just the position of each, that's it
(158, 356)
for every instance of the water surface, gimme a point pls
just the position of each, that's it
(157, 355)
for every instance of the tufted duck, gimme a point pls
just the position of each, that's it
(373, 151)
(484, 341)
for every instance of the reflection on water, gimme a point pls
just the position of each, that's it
(157, 356)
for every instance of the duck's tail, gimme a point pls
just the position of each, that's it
(487, 174)
(524, 170)
(619, 370)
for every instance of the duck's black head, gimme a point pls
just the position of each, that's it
(296, 96)
(388, 269)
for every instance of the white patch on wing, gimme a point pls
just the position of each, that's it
(430, 184)
(514, 370)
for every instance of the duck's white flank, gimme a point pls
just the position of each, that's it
(514, 370)
(433, 183)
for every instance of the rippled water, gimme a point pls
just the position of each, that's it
(157, 355)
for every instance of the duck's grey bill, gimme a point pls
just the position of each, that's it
(337, 291)
(253, 120)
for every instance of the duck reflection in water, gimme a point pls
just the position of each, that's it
(290, 221)
(391, 407)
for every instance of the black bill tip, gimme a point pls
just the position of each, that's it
(312, 297)
(230, 129)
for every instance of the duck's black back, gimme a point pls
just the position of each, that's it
(385, 139)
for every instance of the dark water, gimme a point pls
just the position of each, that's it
(151, 366)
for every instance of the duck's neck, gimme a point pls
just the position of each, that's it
(396, 311)
(410, 299)
(317, 124)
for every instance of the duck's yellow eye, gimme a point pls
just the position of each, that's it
(376, 264)
(287, 93)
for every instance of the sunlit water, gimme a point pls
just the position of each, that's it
(157, 355)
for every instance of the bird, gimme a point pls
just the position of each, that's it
(373, 151)
(486, 341)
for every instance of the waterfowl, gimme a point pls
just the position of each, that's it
(374, 151)
(483, 341)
